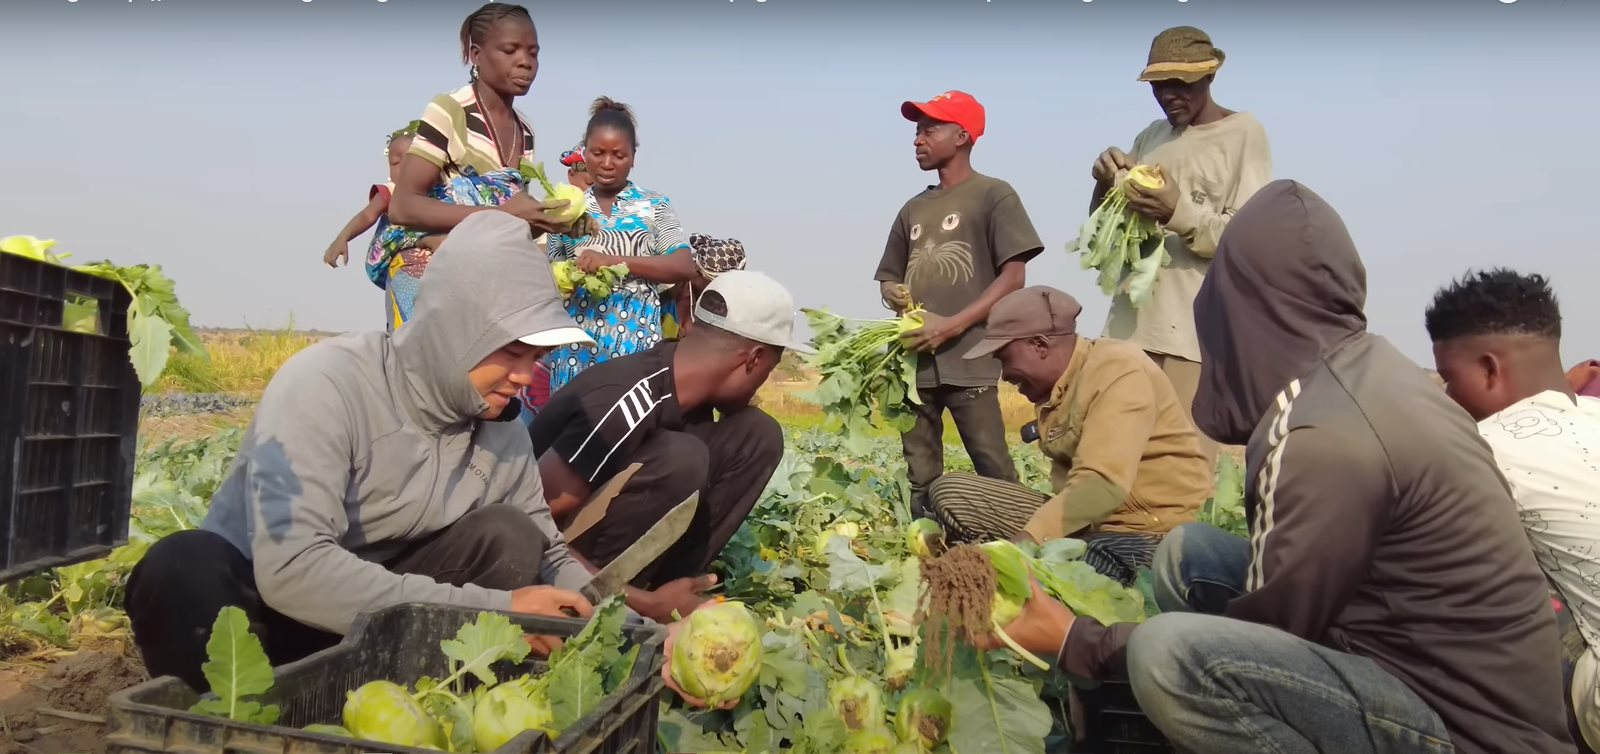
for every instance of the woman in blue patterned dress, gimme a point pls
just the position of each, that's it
(637, 227)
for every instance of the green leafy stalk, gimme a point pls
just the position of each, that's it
(1125, 246)
(236, 667)
(1032, 658)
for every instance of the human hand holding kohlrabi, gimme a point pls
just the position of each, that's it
(546, 216)
(1155, 196)
(936, 331)
(714, 655)
(591, 258)
(568, 205)
(1041, 627)
(1110, 164)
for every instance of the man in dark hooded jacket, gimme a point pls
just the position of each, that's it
(1391, 602)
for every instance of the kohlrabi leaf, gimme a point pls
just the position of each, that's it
(994, 713)
(236, 667)
(489, 639)
(1090, 593)
(150, 339)
(848, 573)
(575, 680)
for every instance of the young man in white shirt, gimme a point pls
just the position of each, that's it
(1496, 342)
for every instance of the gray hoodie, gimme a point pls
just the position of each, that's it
(366, 443)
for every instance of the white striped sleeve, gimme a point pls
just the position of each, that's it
(608, 427)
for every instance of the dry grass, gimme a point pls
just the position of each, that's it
(241, 361)
(154, 430)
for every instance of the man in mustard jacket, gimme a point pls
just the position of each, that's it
(1128, 464)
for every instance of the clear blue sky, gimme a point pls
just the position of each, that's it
(228, 140)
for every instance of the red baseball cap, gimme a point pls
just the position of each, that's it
(951, 107)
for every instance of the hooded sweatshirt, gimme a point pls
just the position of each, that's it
(1430, 575)
(365, 444)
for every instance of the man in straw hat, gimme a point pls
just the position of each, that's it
(1127, 465)
(955, 249)
(1213, 160)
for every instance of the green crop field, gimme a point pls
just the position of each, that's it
(831, 611)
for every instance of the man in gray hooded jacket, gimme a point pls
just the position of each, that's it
(1390, 603)
(382, 469)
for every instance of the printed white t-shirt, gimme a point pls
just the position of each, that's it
(1548, 448)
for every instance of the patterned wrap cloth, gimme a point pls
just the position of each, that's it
(712, 257)
(451, 135)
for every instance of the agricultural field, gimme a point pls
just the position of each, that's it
(823, 562)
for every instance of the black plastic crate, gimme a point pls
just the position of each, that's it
(69, 414)
(399, 644)
(1114, 724)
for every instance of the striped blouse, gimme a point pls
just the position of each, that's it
(449, 141)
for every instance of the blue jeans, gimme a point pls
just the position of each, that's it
(1199, 569)
(1219, 686)
(1215, 685)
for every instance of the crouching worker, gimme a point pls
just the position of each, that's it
(655, 409)
(380, 469)
(1127, 462)
(1391, 602)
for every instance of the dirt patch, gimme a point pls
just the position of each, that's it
(78, 684)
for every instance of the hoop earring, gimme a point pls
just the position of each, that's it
(472, 75)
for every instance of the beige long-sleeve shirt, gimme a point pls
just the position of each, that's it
(1218, 167)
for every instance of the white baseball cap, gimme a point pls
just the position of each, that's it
(558, 336)
(759, 308)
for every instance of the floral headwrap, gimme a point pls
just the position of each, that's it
(573, 158)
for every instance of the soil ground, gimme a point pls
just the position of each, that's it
(76, 684)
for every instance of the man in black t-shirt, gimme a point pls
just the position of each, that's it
(956, 248)
(656, 409)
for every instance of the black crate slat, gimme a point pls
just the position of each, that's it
(398, 644)
(69, 414)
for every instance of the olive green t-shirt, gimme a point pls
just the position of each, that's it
(947, 246)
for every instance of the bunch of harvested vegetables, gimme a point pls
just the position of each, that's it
(864, 364)
(448, 714)
(1125, 246)
(599, 284)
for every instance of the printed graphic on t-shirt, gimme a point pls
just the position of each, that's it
(1529, 423)
(939, 260)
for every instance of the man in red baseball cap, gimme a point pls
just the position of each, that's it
(955, 249)
(951, 107)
